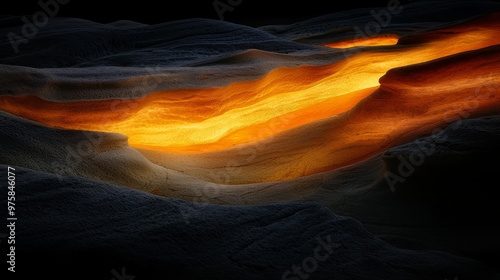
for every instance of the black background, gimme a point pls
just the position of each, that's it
(249, 12)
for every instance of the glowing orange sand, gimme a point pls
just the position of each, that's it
(381, 40)
(214, 119)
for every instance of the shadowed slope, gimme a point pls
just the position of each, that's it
(456, 87)
(149, 236)
(284, 99)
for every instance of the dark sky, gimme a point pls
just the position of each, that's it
(250, 12)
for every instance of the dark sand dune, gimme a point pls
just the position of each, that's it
(402, 19)
(435, 192)
(427, 95)
(82, 43)
(260, 116)
(66, 231)
(107, 157)
(319, 105)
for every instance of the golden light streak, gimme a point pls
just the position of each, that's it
(381, 40)
(193, 122)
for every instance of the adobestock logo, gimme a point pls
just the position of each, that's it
(222, 7)
(38, 20)
(310, 264)
(382, 18)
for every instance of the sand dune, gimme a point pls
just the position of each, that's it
(84, 43)
(335, 142)
(310, 98)
(114, 123)
(224, 242)
(107, 157)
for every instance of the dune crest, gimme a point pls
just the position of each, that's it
(320, 112)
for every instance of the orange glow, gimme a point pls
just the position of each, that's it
(198, 128)
(381, 40)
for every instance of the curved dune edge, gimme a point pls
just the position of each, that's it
(409, 158)
(108, 158)
(359, 190)
(90, 227)
(427, 96)
(380, 40)
(459, 86)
